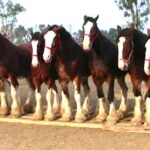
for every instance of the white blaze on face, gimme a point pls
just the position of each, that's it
(34, 53)
(147, 56)
(86, 40)
(49, 37)
(121, 63)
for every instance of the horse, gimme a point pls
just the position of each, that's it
(131, 45)
(15, 62)
(102, 55)
(71, 64)
(43, 72)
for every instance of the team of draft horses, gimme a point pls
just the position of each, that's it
(54, 55)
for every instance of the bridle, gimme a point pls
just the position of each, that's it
(93, 37)
(56, 46)
(127, 61)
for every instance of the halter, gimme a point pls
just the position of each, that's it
(55, 47)
(127, 61)
(94, 37)
(34, 55)
(146, 59)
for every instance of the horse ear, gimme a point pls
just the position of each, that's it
(30, 31)
(46, 30)
(85, 17)
(118, 29)
(148, 32)
(96, 17)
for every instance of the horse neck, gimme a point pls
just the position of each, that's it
(139, 41)
(104, 47)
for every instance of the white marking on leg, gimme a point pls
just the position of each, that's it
(85, 106)
(15, 98)
(102, 107)
(147, 114)
(147, 57)
(112, 109)
(86, 40)
(121, 63)
(66, 104)
(35, 61)
(137, 107)
(38, 107)
(49, 102)
(3, 100)
(56, 100)
(123, 104)
(31, 96)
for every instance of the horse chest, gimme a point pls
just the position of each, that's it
(98, 69)
(66, 69)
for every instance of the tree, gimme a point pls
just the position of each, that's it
(137, 10)
(8, 20)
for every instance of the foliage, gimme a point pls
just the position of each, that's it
(8, 20)
(137, 10)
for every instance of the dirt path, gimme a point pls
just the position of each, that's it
(34, 137)
(37, 137)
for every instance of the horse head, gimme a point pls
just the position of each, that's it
(37, 42)
(125, 47)
(52, 42)
(89, 32)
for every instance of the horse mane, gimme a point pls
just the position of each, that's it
(139, 38)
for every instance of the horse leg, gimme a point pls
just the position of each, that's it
(56, 101)
(101, 108)
(79, 117)
(28, 105)
(65, 105)
(112, 117)
(49, 112)
(38, 114)
(86, 88)
(16, 103)
(123, 105)
(4, 109)
(147, 104)
(137, 119)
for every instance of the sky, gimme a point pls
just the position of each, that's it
(70, 13)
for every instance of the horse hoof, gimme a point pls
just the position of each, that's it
(66, 118)
(147, 125)
(49, 117)
(136, 121)
(56, 109)
(111, 120)
(120, 114)
(5, 111)
(85, 112)
(16, 113)
(80, 118)
(38, 116)
(28, 108)
(100, 118)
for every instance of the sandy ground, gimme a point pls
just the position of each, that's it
(37, 137)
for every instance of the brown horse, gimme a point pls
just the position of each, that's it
(102, 55)
(71, 65)
(15, 62)
(43, 72)
(131, 45)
